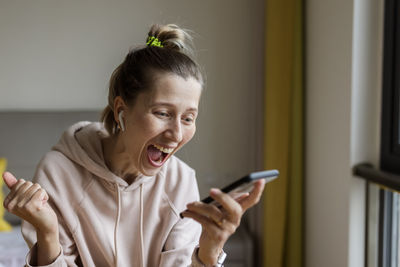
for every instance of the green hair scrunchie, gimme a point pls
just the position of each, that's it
(153, 41)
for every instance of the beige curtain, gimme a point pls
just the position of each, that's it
(284, 89)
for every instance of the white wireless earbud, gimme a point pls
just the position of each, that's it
(121, 121)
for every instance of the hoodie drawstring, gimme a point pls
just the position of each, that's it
(117, 224)
(141, 225)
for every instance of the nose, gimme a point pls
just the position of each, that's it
(174, 132)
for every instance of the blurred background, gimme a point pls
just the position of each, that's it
(292, 85)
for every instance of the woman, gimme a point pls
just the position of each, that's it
(111, 193)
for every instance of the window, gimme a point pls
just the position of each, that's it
(390, 138)
(388, 233)
(383, 209)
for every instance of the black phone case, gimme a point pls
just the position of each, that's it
(252, 177)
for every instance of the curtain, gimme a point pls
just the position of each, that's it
(4, 225)
(283, 143)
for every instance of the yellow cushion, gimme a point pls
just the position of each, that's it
(4, 226)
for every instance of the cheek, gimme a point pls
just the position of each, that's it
(147, 126)
(137, 135)
(188, 135)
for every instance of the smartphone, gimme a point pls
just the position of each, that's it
(245, 184)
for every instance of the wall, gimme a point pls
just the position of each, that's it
(343, 87)
(58, 55)
(329, 43)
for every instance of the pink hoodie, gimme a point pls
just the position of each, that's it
(105, 221)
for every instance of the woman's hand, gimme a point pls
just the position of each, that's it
(29, 202)
(218, 224)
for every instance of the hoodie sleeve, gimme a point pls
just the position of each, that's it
(180, 248)
(46, 175)
(67, 257)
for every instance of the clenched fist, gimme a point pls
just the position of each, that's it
(28, 201)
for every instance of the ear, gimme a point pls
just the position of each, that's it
(119, 105)
(121, 120)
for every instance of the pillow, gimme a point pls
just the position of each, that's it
(4, 225)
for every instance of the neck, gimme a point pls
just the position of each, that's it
(117, 159)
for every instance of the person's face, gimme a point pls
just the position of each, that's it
(160, 121)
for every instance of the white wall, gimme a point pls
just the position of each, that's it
(58, 55)
(329, 44)
(343, 86)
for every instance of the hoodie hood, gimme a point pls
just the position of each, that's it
(82, 144)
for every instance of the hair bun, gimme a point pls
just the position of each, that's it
(173, 37)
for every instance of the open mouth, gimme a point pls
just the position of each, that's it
(157, 155)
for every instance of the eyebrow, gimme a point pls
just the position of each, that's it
(170, 105)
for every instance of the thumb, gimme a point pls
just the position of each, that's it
(9, 179)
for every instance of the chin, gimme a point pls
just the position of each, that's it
(150, 171)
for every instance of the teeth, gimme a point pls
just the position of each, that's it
(162, 149)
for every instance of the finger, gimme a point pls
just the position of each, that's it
(232, 208)
(206, 210)
(241, 197)
(18, 193)
(40, 197)
(9, 179)
(45, 196)
(28, 195)
(31, 207)
(254, 196)
(218, 232)
(13, 191)
(205, 222)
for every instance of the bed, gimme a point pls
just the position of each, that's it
(13, 248)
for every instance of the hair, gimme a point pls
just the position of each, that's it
(136, 73)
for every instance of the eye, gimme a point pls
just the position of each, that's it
(188, 119)
(162, 114)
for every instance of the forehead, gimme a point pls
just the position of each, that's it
(175, 90)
